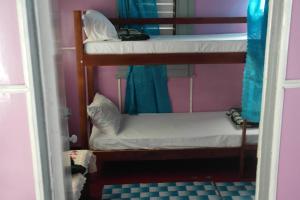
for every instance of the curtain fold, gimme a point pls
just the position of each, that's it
(254, 68)
(147, 87)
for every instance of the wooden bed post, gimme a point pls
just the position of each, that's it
(242, 153)
(81, 82)
(90, 81)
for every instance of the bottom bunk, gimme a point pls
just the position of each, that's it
(174, 136)
(173, 131)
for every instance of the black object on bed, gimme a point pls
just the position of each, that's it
(235, 115)
(126, 34)
(75, 169)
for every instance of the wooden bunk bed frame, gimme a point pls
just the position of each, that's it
(85, 75)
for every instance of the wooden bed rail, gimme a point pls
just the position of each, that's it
(94, 61)
(175, 20)
(191, 20)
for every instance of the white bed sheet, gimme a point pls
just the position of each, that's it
(213, 43)
(173, 131)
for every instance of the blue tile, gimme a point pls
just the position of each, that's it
(180, 191)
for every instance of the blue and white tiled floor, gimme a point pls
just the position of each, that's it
(181, 191)
(236, 190)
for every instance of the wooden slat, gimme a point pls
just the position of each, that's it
(199, 20)
(250, 147)
(122, 155)
(91, 84)
(172, 58)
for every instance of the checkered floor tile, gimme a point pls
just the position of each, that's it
(181, 191)
(236, 190)
(161, 191)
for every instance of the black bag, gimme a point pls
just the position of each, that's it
(126, 34)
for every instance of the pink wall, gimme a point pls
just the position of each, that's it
(16, 167)
(289, 163)
(216, 87)
(11, 71)
(217, 8)
(293, 71)
(16, 170)
(289, 173)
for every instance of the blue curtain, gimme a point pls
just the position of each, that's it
(147, 90)
(254, 68)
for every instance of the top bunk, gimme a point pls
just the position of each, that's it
(163, 49)
(158, 44)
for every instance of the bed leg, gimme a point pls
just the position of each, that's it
(99, 167)
(242, 153)
(242, 163)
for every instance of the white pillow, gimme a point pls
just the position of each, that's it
(98, 27)
(105, 115)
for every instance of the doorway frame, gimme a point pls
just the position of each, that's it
(279, 23)
(272, 102)
(39, 54)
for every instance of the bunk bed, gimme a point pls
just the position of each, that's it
(219, 49)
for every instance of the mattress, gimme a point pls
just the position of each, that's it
(173, 131)
(213, 43)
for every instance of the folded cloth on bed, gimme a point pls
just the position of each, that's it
(78, 181)
(75, 169)
(126, 34)
(84, 158)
